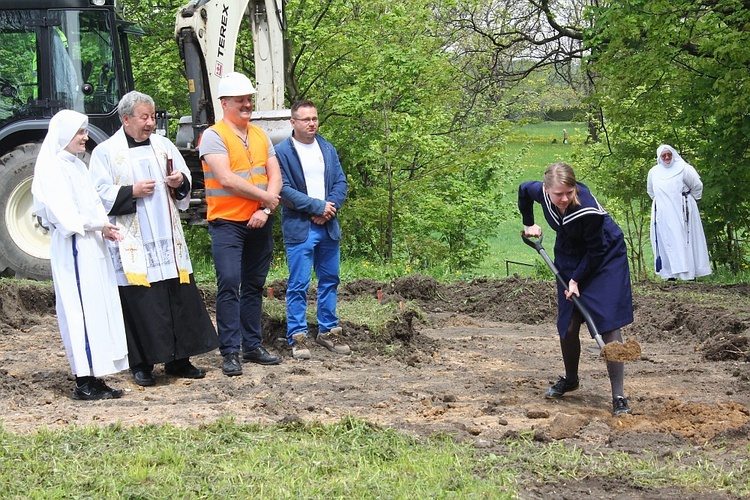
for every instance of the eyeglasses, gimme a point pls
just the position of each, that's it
(666, 155)
(314, 119)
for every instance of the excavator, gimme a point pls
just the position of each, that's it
(75, 54)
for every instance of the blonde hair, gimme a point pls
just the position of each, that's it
(562, 173)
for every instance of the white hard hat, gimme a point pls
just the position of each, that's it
(235, 84)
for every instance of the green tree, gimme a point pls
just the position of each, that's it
(157, 69)
(421, 146)
(677, 72)
(420, 167)
(528, 54)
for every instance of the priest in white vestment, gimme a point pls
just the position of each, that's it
(87, 301)
(677, 237)
(143, 182)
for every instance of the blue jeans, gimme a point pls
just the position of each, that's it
(321, 253)
(242, 257)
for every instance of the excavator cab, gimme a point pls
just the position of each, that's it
(62, 55)
(54, 54)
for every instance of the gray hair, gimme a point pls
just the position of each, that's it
(131, 100)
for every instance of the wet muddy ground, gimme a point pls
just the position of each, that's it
(471, 359)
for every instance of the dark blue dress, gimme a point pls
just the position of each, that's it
(590, 248)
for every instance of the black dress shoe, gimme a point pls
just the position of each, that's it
(231, 366)
(185, 370)
(261, 356)
(102, 385)
(144, 378)
(90, 392)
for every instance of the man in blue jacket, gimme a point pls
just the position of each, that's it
(314, 188)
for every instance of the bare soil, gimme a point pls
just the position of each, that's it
(471, 359)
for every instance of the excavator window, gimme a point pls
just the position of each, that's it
(55, 59)
(84, 73)
(19, 83)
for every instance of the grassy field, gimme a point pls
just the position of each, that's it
(541, 144)
(546, 139)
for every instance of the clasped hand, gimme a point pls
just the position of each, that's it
(533, 231)
(174, 180)
(111, 232)
(328, 213)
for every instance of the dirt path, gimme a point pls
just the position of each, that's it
(475, 366)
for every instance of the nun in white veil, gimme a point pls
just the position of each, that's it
(87, 299)
(677, 237)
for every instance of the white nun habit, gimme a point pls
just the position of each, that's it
(87, 298)
(677, 236)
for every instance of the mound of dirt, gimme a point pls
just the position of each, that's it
(24, 303)
(690, 310)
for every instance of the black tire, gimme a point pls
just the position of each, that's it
(24, 244)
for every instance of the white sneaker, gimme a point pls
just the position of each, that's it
(299, 347)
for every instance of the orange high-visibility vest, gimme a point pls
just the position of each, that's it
(249, 163)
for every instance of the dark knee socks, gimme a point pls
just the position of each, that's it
(616, 370)
(571, 349)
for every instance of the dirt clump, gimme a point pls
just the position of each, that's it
(621, 351)
(727, 347)
(362, 287)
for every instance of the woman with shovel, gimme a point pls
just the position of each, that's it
(590, 252)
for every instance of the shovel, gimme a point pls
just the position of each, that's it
(614, 351)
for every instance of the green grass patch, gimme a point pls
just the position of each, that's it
(366, 311)
(350, 459)
(228, 460)
(694, 470)
(509, 255)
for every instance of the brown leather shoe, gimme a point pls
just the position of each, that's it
(330, 341)
(300, 350)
